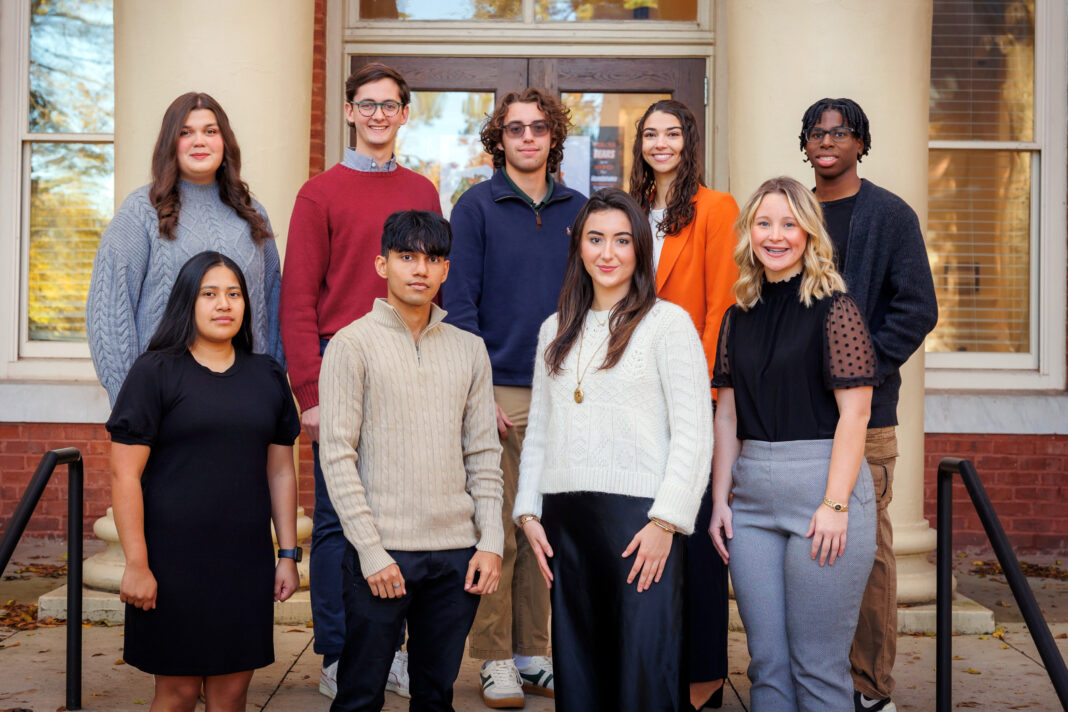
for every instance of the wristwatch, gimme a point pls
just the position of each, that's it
(296, 554)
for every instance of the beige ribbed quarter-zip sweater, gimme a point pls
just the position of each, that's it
(408, 438)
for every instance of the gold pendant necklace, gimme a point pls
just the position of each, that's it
(580, 374)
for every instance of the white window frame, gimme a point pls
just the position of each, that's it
(1043, 368)
(60, 376)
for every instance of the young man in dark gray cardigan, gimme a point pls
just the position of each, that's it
(879, 250)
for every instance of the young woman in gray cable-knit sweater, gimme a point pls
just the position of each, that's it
(195, 202)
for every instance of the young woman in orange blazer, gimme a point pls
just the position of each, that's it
(693, 241)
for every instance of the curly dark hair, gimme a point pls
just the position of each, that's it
(680, 207)
(233, 191)
(558, 116)
(850, 110)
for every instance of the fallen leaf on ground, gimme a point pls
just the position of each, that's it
(967, 704)
(120, 661)
(10, 645)
(999, 632)
(972, 671)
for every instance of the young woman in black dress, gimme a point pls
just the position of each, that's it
(201, 462)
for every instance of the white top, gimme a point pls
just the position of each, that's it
(655, 216)
(643, 428)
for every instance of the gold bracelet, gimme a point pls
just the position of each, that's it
(528, 518)
(835, 505)
(663, 525)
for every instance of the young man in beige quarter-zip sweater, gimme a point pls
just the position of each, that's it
(411, 459)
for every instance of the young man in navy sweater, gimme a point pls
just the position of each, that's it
(879, 251)
(510, 242)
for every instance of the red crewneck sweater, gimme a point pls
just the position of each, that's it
(329, 278)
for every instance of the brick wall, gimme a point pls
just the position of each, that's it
(1025, 476)
(317, 156)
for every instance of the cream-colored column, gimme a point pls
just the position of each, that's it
(255, 58)
(782, 57)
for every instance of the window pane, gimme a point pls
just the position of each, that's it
(441, 141)
(979, 242)
(580, 10)
(72, 67)
(598, 153)
(72, 191)
(438, 10)
(983, 70)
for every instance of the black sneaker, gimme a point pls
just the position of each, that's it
(862, 703)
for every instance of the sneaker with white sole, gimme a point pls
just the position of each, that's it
(328, 680)
(502, 687)
(537, 676)
(863, 703)
(397, 683)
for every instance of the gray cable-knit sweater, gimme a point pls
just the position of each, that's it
(135, 269)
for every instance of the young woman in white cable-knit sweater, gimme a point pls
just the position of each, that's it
(616, 458)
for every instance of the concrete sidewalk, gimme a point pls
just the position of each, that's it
(988, 673)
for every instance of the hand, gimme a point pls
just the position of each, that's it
(653, 545)
(828, 532)
(488, 566)
(387, 583)
(502, 422)
(286, 579)
(720, 528)
(138, 587)
(539, 544)
(309, 420)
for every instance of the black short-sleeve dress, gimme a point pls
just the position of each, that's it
(207, 508)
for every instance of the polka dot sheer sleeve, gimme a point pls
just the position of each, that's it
(721, 370)
(849, 355)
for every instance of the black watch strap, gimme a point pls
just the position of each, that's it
(296, 554)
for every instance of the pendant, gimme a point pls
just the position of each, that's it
(578, 394)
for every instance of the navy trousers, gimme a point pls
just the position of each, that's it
(439, 614)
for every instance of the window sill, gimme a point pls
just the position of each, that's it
(1037, 413)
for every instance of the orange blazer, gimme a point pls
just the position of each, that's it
(697, 269)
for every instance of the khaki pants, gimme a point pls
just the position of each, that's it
(515, 619)
(875, 643)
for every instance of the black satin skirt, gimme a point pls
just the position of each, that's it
(614, 649)
(706, 601)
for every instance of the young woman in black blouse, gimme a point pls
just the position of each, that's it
(201, 463)
(795, 368)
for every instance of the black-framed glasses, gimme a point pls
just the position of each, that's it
(838, 134)
(368, 107)
(516, 129)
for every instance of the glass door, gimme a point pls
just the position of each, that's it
(453, 96)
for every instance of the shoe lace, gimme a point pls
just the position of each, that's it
(503, 674)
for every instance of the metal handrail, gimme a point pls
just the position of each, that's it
(1025, 598)
(72, 458)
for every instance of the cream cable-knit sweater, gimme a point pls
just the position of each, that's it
(643, 429)
(408, 438)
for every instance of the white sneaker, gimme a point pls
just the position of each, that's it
(328, 680)
(501, 684)
(397, 683)
(537, 676)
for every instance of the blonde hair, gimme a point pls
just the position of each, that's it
(819, 278)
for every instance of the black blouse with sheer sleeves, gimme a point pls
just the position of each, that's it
(785, 360)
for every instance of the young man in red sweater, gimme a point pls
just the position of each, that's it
(328, 282)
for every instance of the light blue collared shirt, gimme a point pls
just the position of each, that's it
(358, 162)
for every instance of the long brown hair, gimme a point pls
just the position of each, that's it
(576, 295)
(232, 190)
(558, 116)
(680, 208)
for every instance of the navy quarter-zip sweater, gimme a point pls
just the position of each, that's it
(505, 271)
(887, 272)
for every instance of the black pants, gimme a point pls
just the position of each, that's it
(439, 614)
(706, 601)
(614, 649)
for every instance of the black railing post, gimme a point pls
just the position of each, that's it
(75, 497)
(75, 504)
(1010, 567)
(944, 590)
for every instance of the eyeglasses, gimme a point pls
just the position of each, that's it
(516, 129)
(838, 134)
(368, 107)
